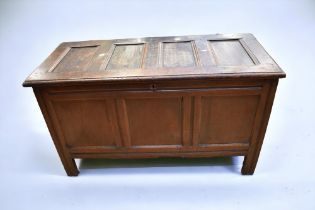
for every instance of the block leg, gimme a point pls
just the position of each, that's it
(251, 158)
(249, 165)
(66, 159)
(70, 166)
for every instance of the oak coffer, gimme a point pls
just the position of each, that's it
(183, 96)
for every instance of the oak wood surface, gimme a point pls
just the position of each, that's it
(193, 57)
(187, 96)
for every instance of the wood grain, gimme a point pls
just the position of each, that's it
(76, 59)
(127, 56)
(230, 53)
(203, 56)
(184, 96)
(178, 54)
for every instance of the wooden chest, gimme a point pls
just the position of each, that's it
(186, 96)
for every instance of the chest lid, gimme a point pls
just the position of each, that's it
(154, 58)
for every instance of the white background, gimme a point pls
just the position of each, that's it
(31, 174)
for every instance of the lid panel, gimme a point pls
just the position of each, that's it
(230, 53)
(178, 54)
(151, 58)
(75, 59)
(126, 56)
(155, 58)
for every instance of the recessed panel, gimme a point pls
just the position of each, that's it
(154, 121)
(178, 54)
(76, 59)
(127, 56)
(227, 119)
(230, 53)
(86, 123)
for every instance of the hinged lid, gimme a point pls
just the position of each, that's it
(154, 58)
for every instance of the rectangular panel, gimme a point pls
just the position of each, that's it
(126, 56)
(238, 55)
(87, 122)
(152, 55)
(178, 54)
(230, 53)
(76, 59)
(227, 119)
(155, 121)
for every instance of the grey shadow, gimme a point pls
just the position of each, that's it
(160, 165)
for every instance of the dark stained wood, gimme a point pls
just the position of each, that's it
(188, 96)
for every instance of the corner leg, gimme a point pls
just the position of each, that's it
(66, 159)
(251, 158)
(70, 166)
(249, 165)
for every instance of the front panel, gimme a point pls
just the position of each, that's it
(155, 120)
(227, 119)
(86, 122)
(186, 119)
